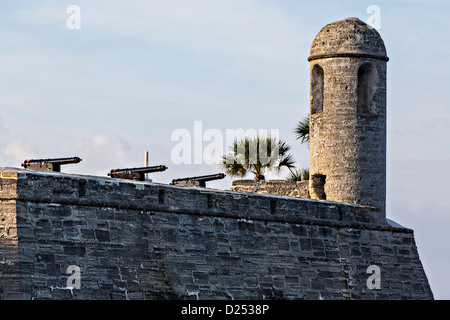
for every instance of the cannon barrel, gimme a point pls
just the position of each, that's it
(26, 163)
(135, 173)
(199, 181)
(53, 164)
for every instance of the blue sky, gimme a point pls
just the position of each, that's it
(137, 71)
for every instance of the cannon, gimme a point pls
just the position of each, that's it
(49, 164)
(135, 173)
(199, 181)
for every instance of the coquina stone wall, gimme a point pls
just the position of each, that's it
(279, 187)
(142, 240)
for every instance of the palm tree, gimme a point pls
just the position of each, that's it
(258, 156)
(298, 175)
(301, 131)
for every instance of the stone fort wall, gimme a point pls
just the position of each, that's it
(142, 240)
(279, 187)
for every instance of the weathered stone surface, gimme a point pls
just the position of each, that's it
(348, 132)
(347, 37)
(280, 187)
(131, 245)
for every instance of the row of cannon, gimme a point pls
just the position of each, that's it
(138, 174)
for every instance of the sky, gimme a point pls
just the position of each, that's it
(118, 78)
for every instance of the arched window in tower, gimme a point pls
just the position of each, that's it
(367, 88)
(316, 89)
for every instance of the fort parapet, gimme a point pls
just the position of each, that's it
(143, 240)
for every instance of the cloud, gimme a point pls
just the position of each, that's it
(100, 154)
(17, 151)
(222, 61)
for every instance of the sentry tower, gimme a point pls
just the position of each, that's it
(348, 114)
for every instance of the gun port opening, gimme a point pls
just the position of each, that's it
(161, 196)
(273, 206)
(210, 201)
(318, 187)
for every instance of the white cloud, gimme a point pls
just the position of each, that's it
(17, 151)
(100, 154)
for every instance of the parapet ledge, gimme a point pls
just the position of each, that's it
(144, 196)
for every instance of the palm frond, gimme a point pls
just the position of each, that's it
(305, 174)
(294, 175)
(301, 131)
(232, 166)
(298, 175)
(285, 162)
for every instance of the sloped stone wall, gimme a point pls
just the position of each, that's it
(141, 240)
